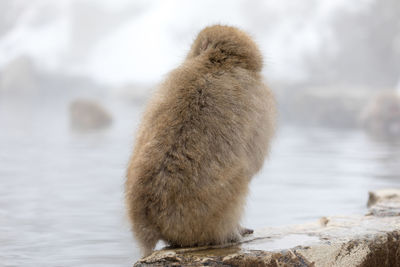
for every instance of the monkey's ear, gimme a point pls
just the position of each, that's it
(199, 46)
(204, 44)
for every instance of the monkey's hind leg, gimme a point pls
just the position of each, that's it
(148, 239)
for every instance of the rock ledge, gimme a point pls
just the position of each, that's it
(362, 240)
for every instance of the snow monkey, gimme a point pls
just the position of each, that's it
(203, 136)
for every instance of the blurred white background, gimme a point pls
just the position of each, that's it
(120, 42)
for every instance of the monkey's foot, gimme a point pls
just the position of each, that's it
(245, 231)
(173, 246)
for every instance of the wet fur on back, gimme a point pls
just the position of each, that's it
(204, 134)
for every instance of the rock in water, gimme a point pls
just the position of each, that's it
(381, 117)
(88, 115)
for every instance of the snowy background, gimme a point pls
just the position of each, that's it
(122, 42)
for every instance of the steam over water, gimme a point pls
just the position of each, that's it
(61, 192)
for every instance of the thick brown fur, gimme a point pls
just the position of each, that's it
(203, 136)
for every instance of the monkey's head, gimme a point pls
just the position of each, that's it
(227, 46)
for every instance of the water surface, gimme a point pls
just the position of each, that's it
(61, 192)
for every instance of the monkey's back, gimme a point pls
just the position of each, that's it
(202, 138)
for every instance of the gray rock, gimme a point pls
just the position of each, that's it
(88, 115)
(381, 117)
(359, 240)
